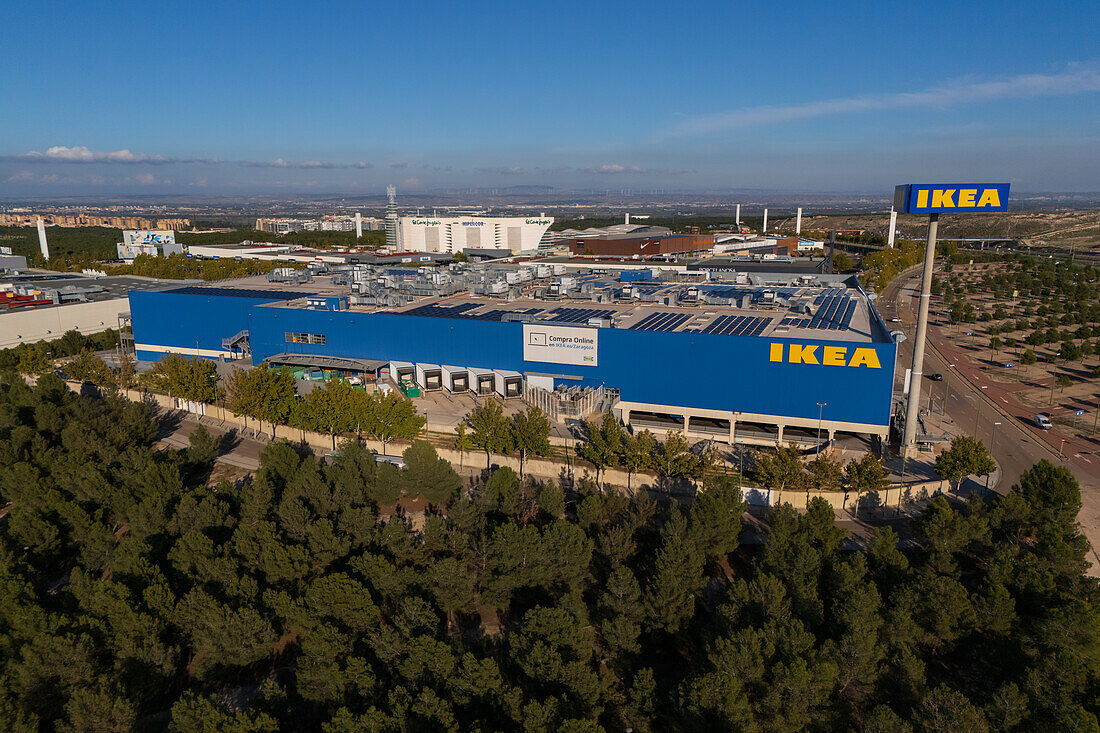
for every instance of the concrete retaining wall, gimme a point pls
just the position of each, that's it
(912, 496)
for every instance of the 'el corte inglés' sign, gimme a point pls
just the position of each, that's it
(560, 344)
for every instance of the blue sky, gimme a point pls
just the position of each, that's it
(845, 96)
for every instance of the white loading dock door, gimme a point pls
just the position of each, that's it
(401, 371)
(429, 377)
(509, 384)
(482, 381)
(455, 379)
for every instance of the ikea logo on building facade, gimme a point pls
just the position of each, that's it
(825, 355)
(921, 198)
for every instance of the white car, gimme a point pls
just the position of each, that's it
(1043, 422)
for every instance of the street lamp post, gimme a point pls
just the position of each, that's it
(948, 397)
(978, 416)
(820, 408)
(992, 442)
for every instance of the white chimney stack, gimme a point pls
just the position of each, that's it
(627, 220)
(358, 225)
(42, 239)
(798, 222)
(893, 227)
(738, 216)
(765, 221)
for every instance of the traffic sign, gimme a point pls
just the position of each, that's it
(1080, 412)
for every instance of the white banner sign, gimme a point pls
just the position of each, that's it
(560, 344)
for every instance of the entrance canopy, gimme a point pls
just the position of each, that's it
(318, 361)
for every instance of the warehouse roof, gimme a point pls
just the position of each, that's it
(93, 288)
(765, 304)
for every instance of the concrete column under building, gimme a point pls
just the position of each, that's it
(893, 227)
(798, 222)
(779, 438)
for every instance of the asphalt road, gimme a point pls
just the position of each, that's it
(1018, 445)
(1014, 447)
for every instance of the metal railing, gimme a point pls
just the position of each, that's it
(575, 402)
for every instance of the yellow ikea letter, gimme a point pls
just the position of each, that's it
(834, 356)
(966, 197)
(943, 197)
(922, 198)
(990, 197)
(865, 357)
(803, 354)
(776, 353)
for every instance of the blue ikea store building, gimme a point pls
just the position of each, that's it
(779, 377)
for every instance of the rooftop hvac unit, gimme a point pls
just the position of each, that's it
(542, 271)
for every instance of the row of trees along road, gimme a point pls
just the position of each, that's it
(139, 594)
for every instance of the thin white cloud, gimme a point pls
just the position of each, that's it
(84, 154)
(1077, 79)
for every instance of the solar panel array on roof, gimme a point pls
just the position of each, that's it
(579, 315)
(240, 293)
(738, 292)
(462, 310)
(737, 326)
(661, 322)
(834, 313)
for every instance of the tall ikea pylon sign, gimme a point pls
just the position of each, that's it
(951, 198)
(936, 199)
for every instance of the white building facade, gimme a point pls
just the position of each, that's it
(147, 242)
(454, 234)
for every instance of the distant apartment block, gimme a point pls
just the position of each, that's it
(324, 224)
(84, 220)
